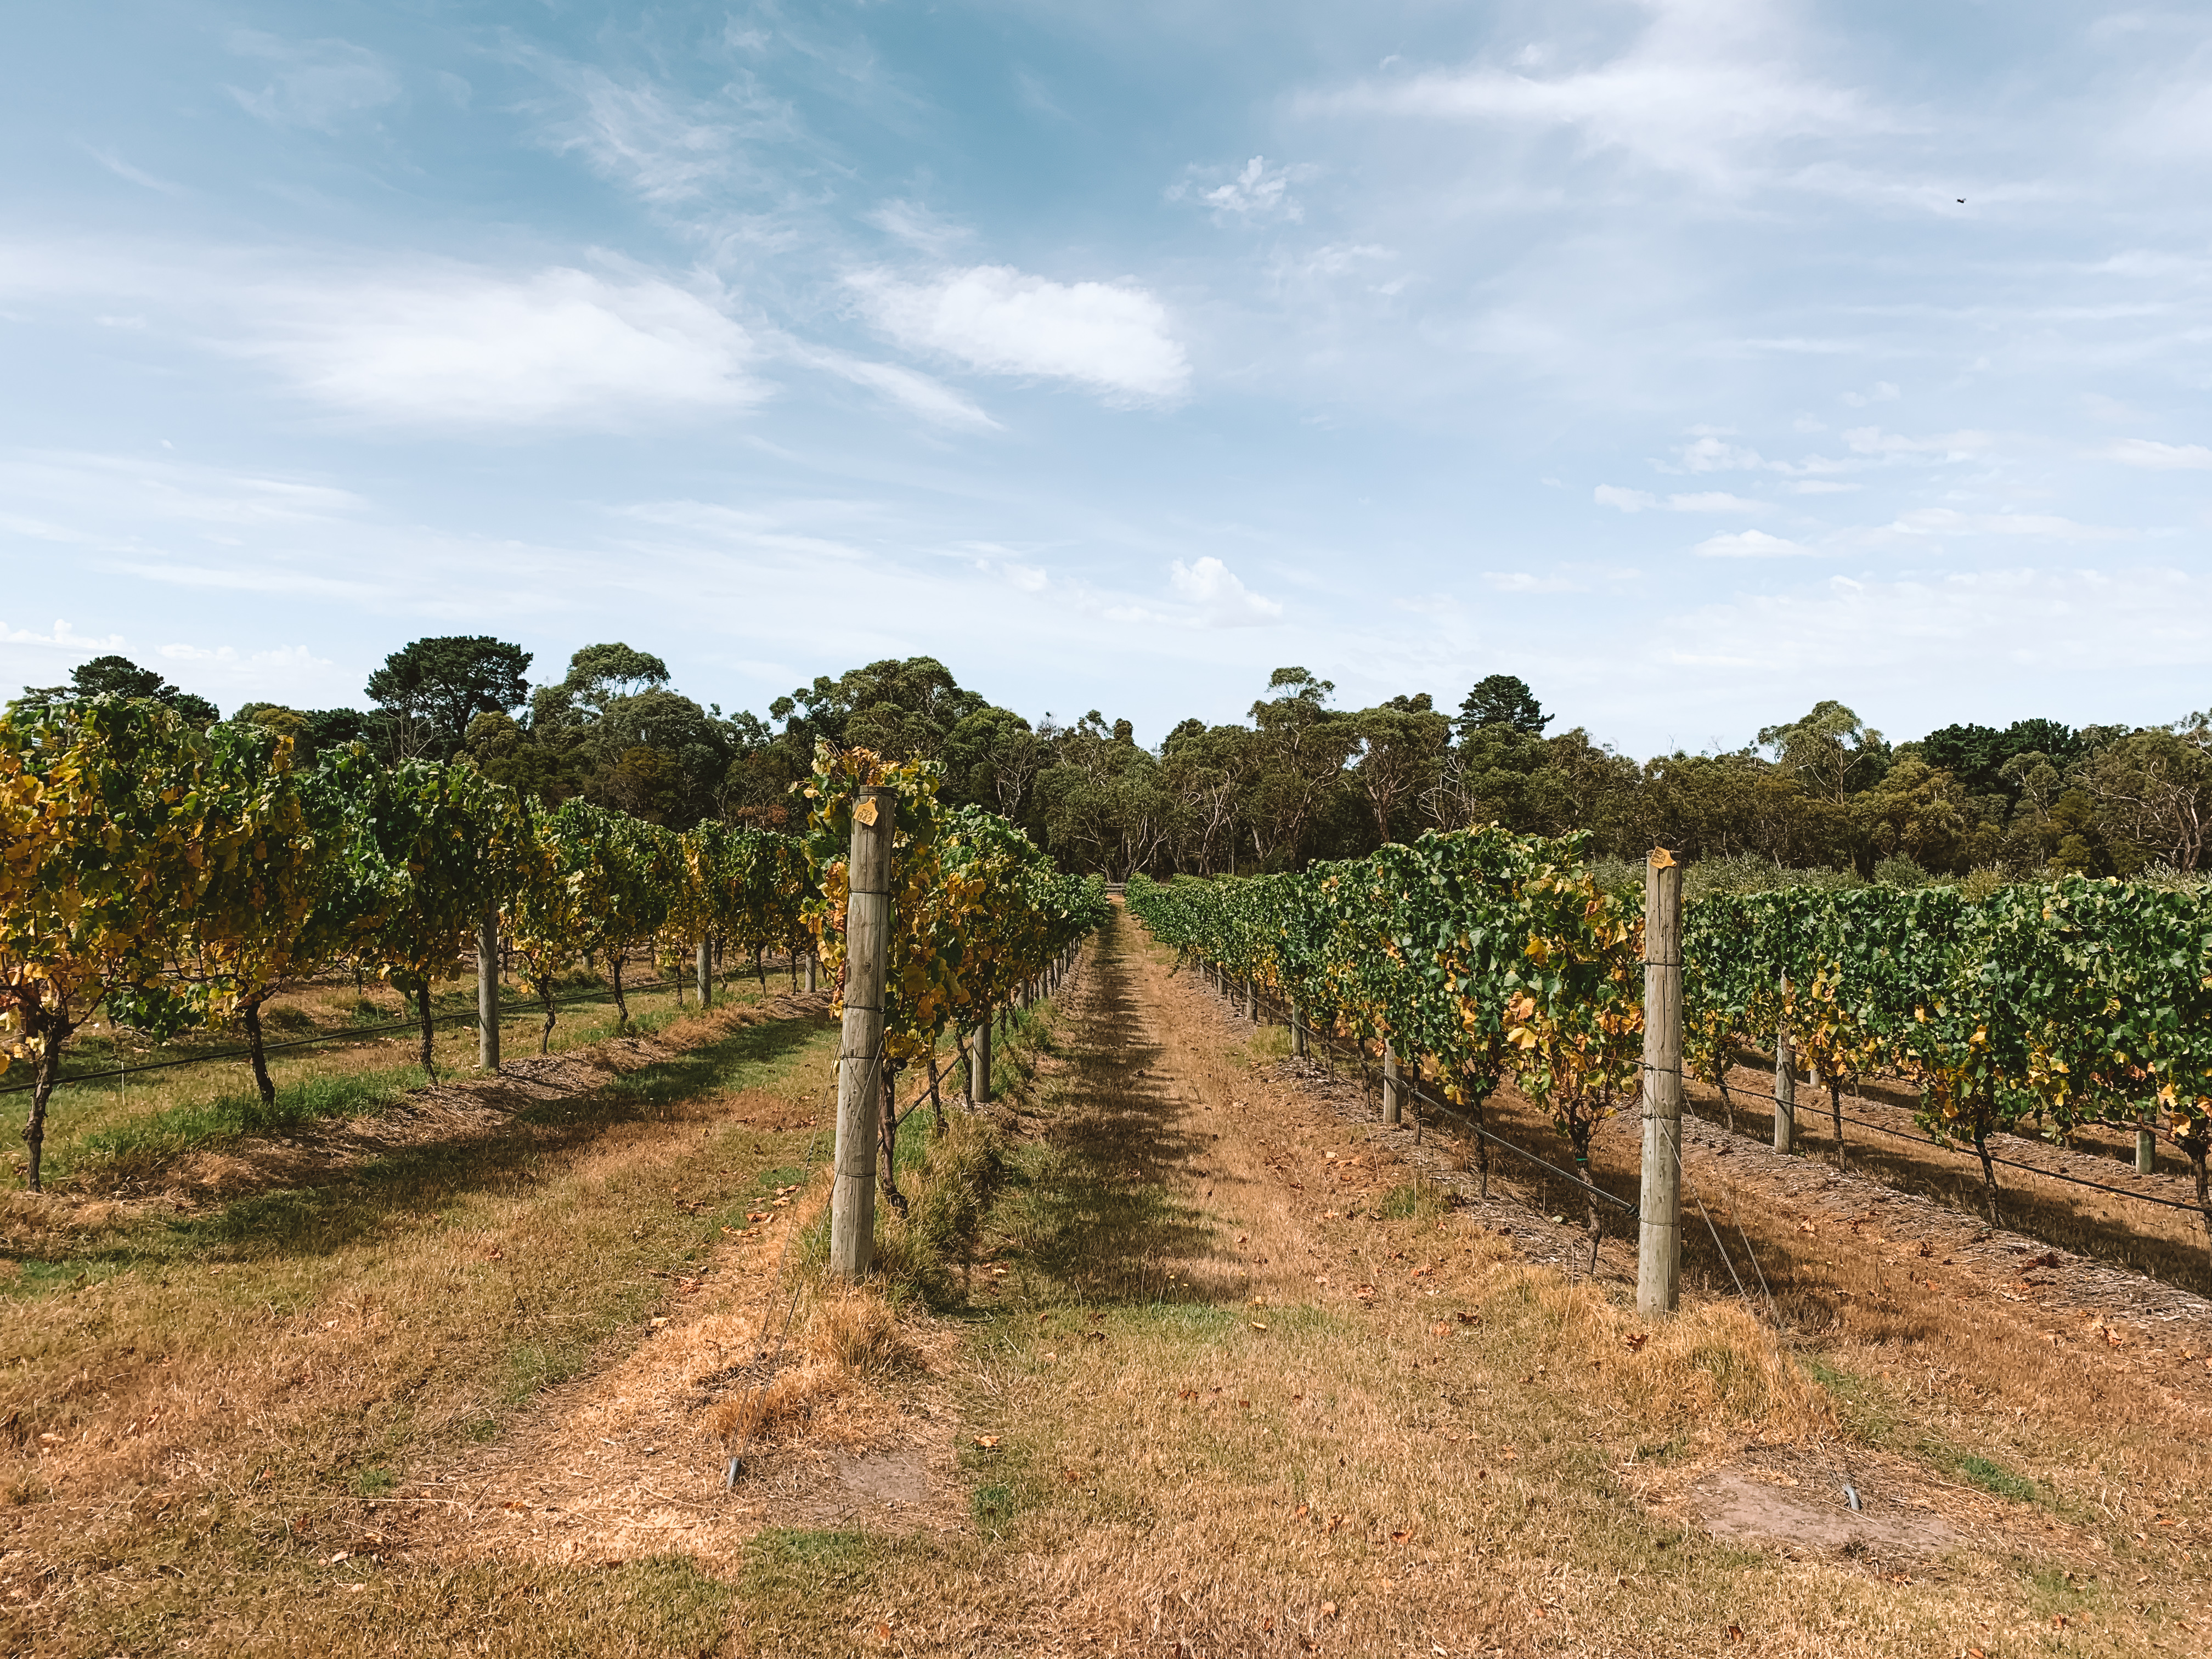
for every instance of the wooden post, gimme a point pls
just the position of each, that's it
(705, 972)
(2146, 1151)
(1390, 1107)
(1659, 1235)
(1297, 1032)
(487, 992)
(813, 971)
(861, 1052)
(1785, 1086)
(978, 1062)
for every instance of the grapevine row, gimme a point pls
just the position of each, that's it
(172, 876)
(1489, 957)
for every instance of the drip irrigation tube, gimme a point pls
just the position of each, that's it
(1413, 1088)
(520, 1011)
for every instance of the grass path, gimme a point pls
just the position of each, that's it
(1236, 1383)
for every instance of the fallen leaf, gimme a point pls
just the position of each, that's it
(1257, 1326)
(986, 1441)
(1635, 1343)
(1470, 1319)
(1399, 1537)
(1301, 1510)
(882, 1631)
(1329, 1609)
(1736, 1633)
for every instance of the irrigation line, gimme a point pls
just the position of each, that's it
(520, 1011)
(2010, 1163)
(1413, 1088)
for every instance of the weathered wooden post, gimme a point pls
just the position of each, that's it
(1785, 1084)
(978, 1062)
(488, 991)
(861, 1052)
(2146, 1150)
(1390, 1106)
(813, 970)
(1659, 1234)
(1297, 1032)
(704, 971)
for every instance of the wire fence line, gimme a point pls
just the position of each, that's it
(467, 1016)
(1261, 999)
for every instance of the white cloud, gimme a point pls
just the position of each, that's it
(1223, 600)
(1703, 501)
(313, 84)
(62, 637)
(1710, 452)
(1943, 521)
(465, 348)
(1255, 192)
(1527, 582)
(1949, 445)
(1884, 391)
(1111, 338)
(1819, 487)
(1748, 544)
(1706, 89)
(2164, 458)
(1710, 501)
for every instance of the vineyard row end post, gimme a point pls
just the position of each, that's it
(488, 991)
(1390, 1110)
(705, 967)
(860, 1049)
(1659, 1229)
(978, 1062)
(1785, 1082)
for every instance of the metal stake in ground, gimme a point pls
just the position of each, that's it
(1659, 1231)
(488, 991)
(861, 1053)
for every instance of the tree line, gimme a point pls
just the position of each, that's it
(1299, 779)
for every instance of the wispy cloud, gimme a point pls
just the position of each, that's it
(313, 84)
(1253, 192)
(462, 347)
(916, 393)
(1948, 522)
(1112, 339)
(1701, 500)
(2163, 457)
(633, 133)
(1706, 89)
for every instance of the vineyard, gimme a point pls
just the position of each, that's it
(1482, 957)
(167, 878)
(1176, 1348)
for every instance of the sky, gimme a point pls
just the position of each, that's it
(1694, 360)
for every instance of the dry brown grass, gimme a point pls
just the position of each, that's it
(243, 1398)
(1249, 1389)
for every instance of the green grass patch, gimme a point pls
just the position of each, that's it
(141, 1146)
(1993, 1477)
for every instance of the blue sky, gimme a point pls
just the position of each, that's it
(1118, 355)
